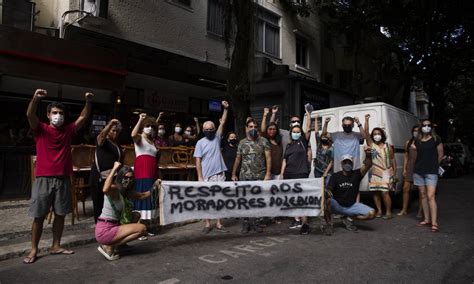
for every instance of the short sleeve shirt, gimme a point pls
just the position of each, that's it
(211, 157)
(427, 157)
(345, 188)
(296, 157)
(346, 144)
(53, 149)
(253, 162)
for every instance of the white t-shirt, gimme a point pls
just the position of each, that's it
(211, 157)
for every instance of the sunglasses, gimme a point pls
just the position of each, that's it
(427, 125)
(294, 121)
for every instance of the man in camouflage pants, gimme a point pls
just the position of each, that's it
(254, 159)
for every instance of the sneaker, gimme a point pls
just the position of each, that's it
(305, 229)
(296, 224)
(327, 229)
(143, 238)
(245, 227)
(221, 229)
(206, 230)
(349, 224)
(110, 257)
(150, 234)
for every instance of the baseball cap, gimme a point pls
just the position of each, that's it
(347, 157)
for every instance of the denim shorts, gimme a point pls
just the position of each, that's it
(420, 180)
(357, 209)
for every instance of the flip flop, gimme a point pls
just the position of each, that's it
(387, 217)
(435, 228)
(29, 259)
(62, 251)
(402, 213)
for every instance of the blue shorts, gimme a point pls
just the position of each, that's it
(357, 209)
(423, 180)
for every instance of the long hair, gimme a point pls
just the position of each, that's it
(412, 139)
(382, 132)
(121, 174)
(277, 137)
(291, 130)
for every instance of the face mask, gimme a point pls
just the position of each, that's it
(161, 132)
(426, 129)
(57, 119)
(377, 138)
(187, 132)
(324, 141)
(233, 141)
(126, 183)
(415, 134)
(253, 133)
(148, 130)
(296, 123)
(177, 129)
(347, 128)
(295, 136)
(210, 134)
(347, 167)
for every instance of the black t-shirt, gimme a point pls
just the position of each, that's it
(229, 153)
(296, 157)
(107, 154)
(427, 157)
(345, 188)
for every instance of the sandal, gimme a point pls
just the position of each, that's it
(29, 259)
(435, 228)
(401, 213)
(387, 217)
(424, 224)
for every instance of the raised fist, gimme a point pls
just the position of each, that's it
(114, 121)
(117, 165)
(196, 119)
(40, 93)
(367, 116)
(266, 110)
(327, 120)
(225, 104)
(142, 116)
(161, 113)
(274, 109)
(356, 119)
(89, 96)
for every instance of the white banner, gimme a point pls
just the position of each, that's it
(181, 200)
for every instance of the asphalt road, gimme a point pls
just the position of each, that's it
(382, 251)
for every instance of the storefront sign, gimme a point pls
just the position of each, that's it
(167, 103)
(181, 201)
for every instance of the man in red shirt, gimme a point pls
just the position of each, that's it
(52, 186)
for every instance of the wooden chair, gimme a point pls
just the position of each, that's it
(82, 159)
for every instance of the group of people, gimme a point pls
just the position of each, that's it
(124, 199)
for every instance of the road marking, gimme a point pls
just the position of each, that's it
(169, 281)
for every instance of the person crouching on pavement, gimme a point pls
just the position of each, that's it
(343, 190)
(114, 228)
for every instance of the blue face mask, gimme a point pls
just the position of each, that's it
(253, 133)
(295, 136)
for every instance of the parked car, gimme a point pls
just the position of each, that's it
(461, 151)
(451, 164)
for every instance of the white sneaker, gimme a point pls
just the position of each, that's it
(111, 257)
(143, 238)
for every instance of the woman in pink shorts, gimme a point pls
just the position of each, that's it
(109, 233)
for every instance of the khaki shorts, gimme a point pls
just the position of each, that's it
(50, 191)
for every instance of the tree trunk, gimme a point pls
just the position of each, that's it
(241, 75)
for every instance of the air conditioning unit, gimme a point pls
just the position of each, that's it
(97, 8)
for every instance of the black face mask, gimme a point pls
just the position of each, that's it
(210, 134)
(233, 141)
(324, 141)
(347, 128)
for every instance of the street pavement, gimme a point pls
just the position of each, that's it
(382, 251)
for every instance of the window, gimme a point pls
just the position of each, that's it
(215, 17)
(345, 79)
(301, 52)
(268, 33)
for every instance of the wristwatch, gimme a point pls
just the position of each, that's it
(359, 125)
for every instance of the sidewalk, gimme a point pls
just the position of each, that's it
(15, 229)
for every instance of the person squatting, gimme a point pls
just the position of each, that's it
(124, 199)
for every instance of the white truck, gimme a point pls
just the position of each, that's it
(397, 124)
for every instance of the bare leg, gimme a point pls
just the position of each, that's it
(378, 203)
(128, 232)
(431, 190)
(387, 202)
(36, 231)
(424, 203)
(406, 197)
(58, 226)
(207, 223)
(218, 223)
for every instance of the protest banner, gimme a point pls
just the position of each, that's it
(181, 200)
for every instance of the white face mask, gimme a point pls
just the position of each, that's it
(148, 130)
(426, 129)
(187, 132)
(161, 132)
(415, 134)
(377, 138)
(57, 119)
(177, 129)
